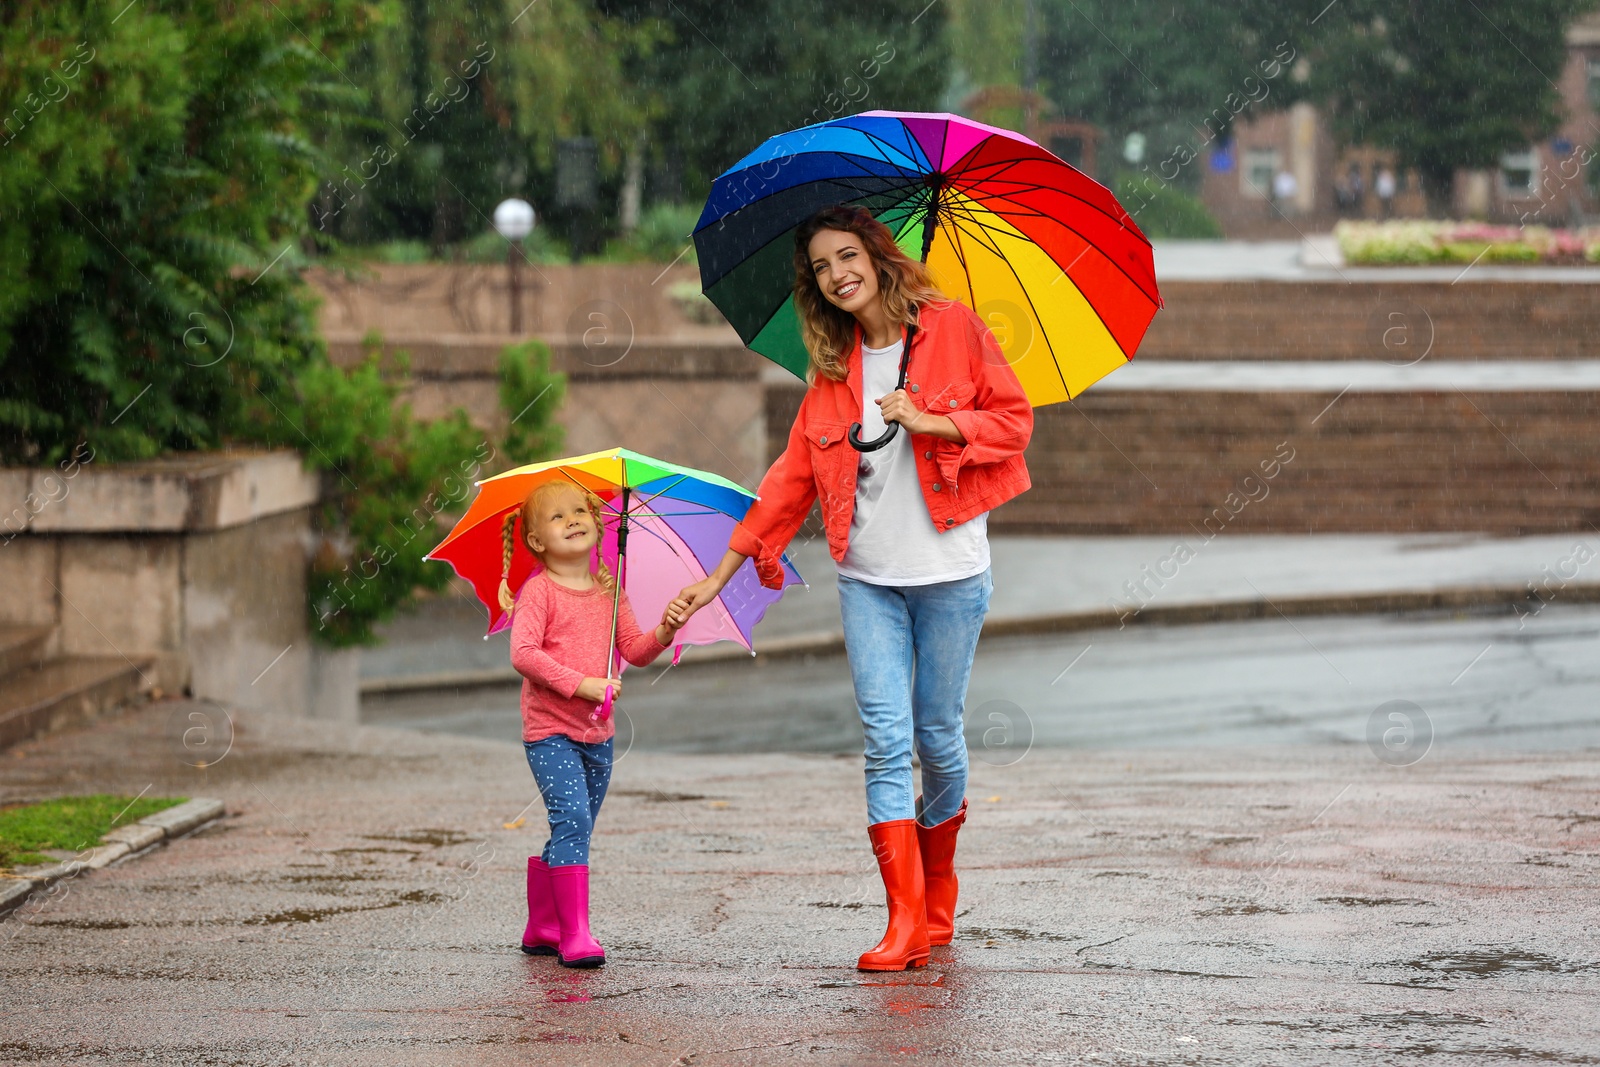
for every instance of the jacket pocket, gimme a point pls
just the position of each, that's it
(956, 396)
(825, 438)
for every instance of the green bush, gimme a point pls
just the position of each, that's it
(392, 483)
(1164, 212)
(663, 232)
(540, 246)
(155, 177)
(156, 184)
(530, 395)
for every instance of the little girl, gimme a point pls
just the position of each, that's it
(560, 635)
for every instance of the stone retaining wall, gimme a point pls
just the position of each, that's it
(196, 563)
(1379, 462)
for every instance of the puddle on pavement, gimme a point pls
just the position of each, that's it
(925, 979)
(437, 838)
(1472, 1053)
(1010, 933)
(1376, 902)
(1119, 874)
(1421, 1018)
(1232, 840)
(329, 884)
(844, 904)
(1241, 909)
(86, 924)
(1490, 963)
(311, 915)
(661, 797)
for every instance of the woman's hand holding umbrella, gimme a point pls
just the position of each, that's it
(897, 407)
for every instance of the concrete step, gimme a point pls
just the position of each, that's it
(64, 692)
(22, 647)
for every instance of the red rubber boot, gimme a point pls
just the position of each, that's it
(938, 847)
(543, 933)
(569, 888)
(905, 944)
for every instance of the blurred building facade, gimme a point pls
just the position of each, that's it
(1555, 182)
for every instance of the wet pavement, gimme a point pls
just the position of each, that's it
(1499, 680)
(1038, 577)
(1196, 904)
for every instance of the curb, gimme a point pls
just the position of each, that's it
(122, 841)
(827, 642)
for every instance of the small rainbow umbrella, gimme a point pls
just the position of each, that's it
(1042, 252)
(666, 527)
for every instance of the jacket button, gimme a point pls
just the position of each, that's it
(949, 522)
(916, 388)
(822, 440)
(952, 403)
(927, 455)
(937, 487)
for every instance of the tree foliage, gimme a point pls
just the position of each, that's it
(736, 74)
(1446, 84)
(466, 104)
(152, 200)
(156, 170)
(1166, 68)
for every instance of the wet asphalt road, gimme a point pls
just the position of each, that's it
(1499, 681)
(1192, 902)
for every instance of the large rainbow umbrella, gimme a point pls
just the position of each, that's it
(666, 527)
(1042, 252)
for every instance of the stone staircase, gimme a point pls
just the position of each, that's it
(41, 692)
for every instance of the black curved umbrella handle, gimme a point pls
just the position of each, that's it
(871, 446)
(854, 437)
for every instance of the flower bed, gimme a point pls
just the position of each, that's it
(1422, 242)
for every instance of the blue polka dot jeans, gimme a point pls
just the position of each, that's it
(572, 777)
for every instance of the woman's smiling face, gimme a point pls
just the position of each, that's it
(843, 270)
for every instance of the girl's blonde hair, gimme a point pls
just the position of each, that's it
(528, 516)
(828, 330)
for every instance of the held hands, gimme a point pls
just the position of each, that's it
(690, 600)
(669, 626)
(594, 689)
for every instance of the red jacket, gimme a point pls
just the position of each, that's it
(958, 370)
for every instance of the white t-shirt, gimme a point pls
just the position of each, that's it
(892, 537)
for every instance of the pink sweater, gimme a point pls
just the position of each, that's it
(559, 637)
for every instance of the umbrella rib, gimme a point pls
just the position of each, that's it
(966, 271)
(1135, 282)
(980, 194)
(979, 175)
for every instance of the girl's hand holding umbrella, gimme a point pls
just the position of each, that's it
(594, 689)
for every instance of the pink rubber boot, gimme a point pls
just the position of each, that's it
(569, 888)
(544, 929)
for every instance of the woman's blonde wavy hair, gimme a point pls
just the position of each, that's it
(527, 516)
(828, 330)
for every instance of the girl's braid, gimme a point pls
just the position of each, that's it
(507, 535)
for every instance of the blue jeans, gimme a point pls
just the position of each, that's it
(572, 777)
(910, 650)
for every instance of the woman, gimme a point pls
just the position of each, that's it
(907, 525)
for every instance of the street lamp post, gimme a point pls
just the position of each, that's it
(513, 220)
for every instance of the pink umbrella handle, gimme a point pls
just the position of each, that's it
(604, 710)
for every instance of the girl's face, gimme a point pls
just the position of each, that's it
(843, 270)
(564, 526)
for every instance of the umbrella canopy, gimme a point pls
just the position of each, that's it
(1043, 252)
(679, 522)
